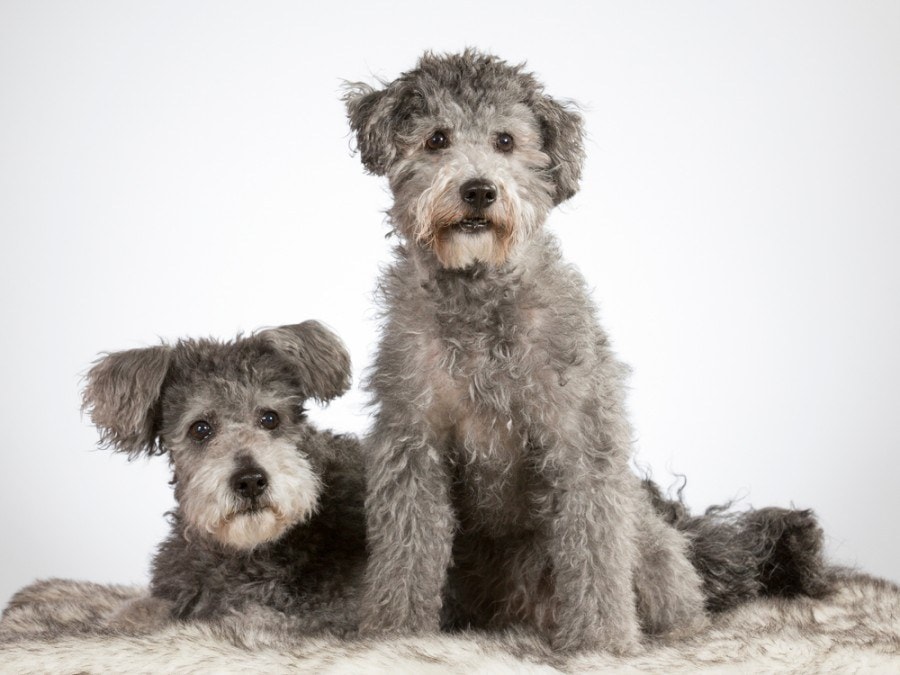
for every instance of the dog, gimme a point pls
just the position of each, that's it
(269, 522)
(269, 528)
(498, 488)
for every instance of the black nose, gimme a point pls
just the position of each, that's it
(249, 482)
(478, 193)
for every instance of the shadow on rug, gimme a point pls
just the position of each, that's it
(56, 626)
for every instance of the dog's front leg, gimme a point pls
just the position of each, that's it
(410, 526)
(593, 554)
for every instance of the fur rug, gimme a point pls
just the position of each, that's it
(56, 626)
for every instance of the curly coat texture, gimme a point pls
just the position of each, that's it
(290, 550)
(741, 555)
(499, 488)
(305, 576)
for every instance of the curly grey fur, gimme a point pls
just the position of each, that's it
(499, 488)
(306, 579)
(292, 553)
(757, 552)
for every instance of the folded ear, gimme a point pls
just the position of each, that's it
(562, 134)
(319, 356)
(370, 121)
(378, 117)
(122, 395)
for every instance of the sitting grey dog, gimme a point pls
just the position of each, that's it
(269, 520)
(499, 487)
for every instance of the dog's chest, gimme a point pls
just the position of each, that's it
(484, 381)
(480, 373)
(495, 484)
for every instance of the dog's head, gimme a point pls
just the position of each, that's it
(476, 153)
(230, 416)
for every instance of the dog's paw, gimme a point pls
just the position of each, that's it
(390, 610)
(672, 615)
(381, 623)
(377, 627)
(682, 629)
(619, 640)
(141, 615)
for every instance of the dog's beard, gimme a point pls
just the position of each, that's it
(212, 509)
(459, 237)
(248, 529)
(457, 246)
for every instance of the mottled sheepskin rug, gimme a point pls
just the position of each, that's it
(56, 626)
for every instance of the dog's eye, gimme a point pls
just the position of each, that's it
(269, 420)
(504, 142)
(437, 141)
(200, 430)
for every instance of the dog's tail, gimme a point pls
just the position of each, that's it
(743, 555)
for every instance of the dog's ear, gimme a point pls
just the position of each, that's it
(376, 117)
(122, 395)
(562, 133)
(318, 355)
(370, 121)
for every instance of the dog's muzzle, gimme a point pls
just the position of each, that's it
(478, 195)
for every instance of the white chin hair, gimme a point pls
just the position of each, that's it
(464, 249)
(248, 530)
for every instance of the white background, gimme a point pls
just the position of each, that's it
(184, 168)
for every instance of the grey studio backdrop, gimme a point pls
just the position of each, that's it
(184, 168)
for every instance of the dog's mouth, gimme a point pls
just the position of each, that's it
(253, 508)
(473, 225)
(250, 525)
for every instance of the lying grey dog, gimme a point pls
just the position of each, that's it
(499, 487)
(269, 519)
